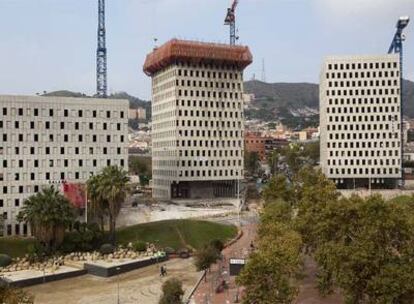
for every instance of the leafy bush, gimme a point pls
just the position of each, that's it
(106, 249)
(36, 252)
(217, 244)
(173, 292)
(169, 250)
(85, 237)
(5, 260)
(205, 257)
(139, 246)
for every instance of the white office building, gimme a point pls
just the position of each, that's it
(360, 121)
(52, 140)
(197, 119)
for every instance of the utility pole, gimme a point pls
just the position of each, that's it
(101, 58)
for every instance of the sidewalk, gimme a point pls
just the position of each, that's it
(205, 293)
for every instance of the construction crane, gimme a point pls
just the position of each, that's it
(231, 21)
(101, 60)
(397, 48)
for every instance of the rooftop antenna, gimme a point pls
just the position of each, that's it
(263, 71)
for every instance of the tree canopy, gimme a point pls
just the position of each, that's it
(49, 214)
(363, 247)
(106, 192)
(173, 292)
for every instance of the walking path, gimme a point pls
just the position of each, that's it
(206, 292)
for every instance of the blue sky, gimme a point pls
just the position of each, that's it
(51, 44)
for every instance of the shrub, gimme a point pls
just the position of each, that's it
(139, 246)
(173, 292)
(205, 257)
(36, 252)
(106, 249)
(86, 237)
(169, 250)
(5, 260)
(217, 244)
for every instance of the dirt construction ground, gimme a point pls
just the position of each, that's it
(139, 286)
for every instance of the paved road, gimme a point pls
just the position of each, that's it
(139, 286)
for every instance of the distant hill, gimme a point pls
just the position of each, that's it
(65, 93)
(134, 102)
(293, 100)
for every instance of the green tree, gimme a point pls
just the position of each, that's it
(205, 257)
(112, 188)
(49, 214)
(277, 189)
(273, 162)
(271, 271)
(251, 162)
(312, 150)
(173, 292)
(15, 296)
(141, 166)
(367, 250)
(97, 204)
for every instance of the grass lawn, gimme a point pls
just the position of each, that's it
(173, 233)
(15, 247)
(177, 233)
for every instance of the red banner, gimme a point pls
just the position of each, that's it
(76, 194)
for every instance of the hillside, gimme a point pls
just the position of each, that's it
(134, 102)
(294, 100)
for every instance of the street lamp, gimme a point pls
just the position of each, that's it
(118, 271)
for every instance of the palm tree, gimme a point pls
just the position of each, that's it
(49, 213)
(97, 205)
(108, 191)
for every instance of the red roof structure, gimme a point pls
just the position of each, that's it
(196, 52)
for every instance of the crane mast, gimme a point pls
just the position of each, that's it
(396, 47)
(231, 21)
(101, 60)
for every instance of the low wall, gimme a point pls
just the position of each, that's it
(101, 271)
(40, 280)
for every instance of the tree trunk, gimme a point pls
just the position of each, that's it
(112, 225)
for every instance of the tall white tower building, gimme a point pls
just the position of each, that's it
(197, 119)
(360, 119)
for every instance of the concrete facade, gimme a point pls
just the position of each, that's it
(197, 127)
(360, 120)
(50, 140)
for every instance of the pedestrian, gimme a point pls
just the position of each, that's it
(161, 271)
